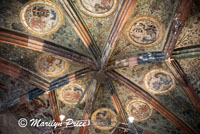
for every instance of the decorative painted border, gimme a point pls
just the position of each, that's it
(100, 127)
(159, 92)
(60, 90)
(22, 19)
(112, 10)
(66, 66)
(139, 100)
(152, 18)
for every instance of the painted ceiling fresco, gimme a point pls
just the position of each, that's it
(160, 13)
(38, 108)
(104, 114)
(176, 100)
(159, 81)
(155, 122)
(48, 66)
(139, 109)
(103, 106)
(98, 17)
(191, 67)
(190, 33)
(64, 36)
(44, 19)
(11, 89)
(145, 31)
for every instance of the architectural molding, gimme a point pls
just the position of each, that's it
(36, 44)
(182, 11)
(119, 22)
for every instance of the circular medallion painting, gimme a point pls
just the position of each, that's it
(41, 17)
(97, 8)
(104, 119)
(51, 66)
(145, 31)
(70, 94)
(139, 109)
(159, 81)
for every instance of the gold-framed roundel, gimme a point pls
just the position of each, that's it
(159, 81)
(51, 66)
(145, 31)
(70, 94)
(97, 8)
(139, 109)
(41, 17)
(104, 119)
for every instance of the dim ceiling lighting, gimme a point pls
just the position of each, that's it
(130, 119)
(62, 117)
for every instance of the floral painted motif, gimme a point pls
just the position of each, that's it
(97, 8)
(138, 109)
(104, 119)
(41, 17)
(51, 66)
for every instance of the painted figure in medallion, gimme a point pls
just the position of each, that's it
(139, 110)
(145, 31)
(104, 119)
(51, 66)
(41, 17)
(39, 13)
(159, 81)
(98, 6)
(72, 94)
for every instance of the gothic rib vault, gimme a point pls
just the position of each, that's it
(101, 60)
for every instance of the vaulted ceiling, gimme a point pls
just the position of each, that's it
(101, 60)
